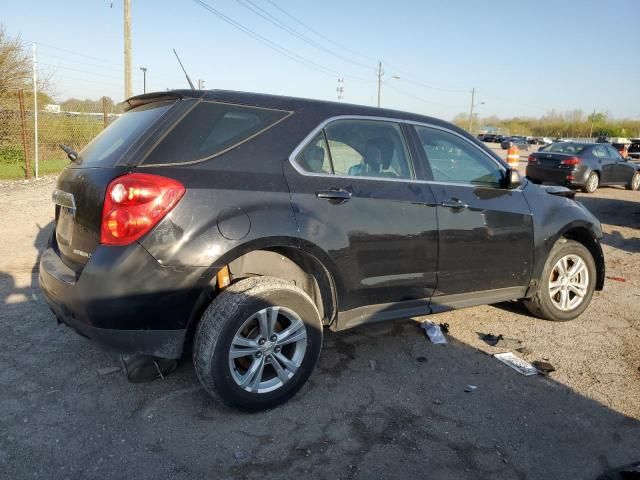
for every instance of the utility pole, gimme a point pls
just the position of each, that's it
(340, 89)
(200, 84)
(144, 79)
(35, 109)
(473, 96)
(127, 49)
(380, 73)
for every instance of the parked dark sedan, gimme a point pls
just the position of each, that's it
(250, 223)
(583, 165)
(517, 140)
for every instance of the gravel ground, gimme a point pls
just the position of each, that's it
(384, 402)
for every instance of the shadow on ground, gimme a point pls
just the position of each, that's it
(383, 403)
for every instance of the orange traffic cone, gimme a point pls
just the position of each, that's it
(513, 156)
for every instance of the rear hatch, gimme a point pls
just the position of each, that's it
(80, 192)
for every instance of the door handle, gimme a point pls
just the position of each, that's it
(455, 204)
(334, 194)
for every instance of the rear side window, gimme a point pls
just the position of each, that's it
(210, 129)
(110, 145)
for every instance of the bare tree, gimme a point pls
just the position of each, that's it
(16, 67)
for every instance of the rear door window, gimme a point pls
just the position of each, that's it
(368, 148)
(108, 148)
(210, 129)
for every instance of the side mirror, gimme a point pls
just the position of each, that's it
(512, 179)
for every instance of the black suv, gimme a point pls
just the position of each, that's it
(249, 222)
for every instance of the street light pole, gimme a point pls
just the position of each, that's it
(473, 96)
(144, 79)
(380, 73)
(127, 49)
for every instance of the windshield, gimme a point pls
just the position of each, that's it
(109, 146)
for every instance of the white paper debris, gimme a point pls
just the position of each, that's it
(518, 364)
(434, 332)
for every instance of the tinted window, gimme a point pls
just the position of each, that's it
(110, 145)
(572, 148)
(210, 129)
(368, 148)
(454, 160)
(634, 147)
(600, 152)
(315, 157)
(613, 153)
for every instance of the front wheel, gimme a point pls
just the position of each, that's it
(592, 183)
(567, 283)
(257, 343)
(634, 183)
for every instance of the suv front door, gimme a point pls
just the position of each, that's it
(485, 231)
(355, 197)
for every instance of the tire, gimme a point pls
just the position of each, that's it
(592, 183)
(544, 304)
(233, 317)
(634, 183)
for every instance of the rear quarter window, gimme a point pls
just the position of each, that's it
(108, 148)
(211, 129)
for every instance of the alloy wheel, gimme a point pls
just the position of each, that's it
(267, 350)
(568, 282)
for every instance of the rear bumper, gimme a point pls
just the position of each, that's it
(556, 175)
(123, 299)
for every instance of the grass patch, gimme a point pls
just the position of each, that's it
(13, 171)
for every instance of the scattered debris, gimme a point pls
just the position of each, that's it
(470, 388)
(544, 367)
(422, 359)
(434, 333)
(617, 279)
(239, 455)
(523, 350)
(437, 402)
(515, 362)
(489, 338)
(108, 370)
(146, 368)
(373, 365)
(444, 327)
(505, 342)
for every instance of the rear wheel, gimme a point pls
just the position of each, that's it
(567, 283)
(257, 343)
(634, 183)
(592, 183)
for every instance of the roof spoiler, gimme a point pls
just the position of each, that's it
(138, 100)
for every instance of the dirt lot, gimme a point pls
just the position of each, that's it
(384, 402)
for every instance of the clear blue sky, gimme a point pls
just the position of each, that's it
(523, 57)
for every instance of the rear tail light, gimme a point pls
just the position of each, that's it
(532, 159)
(134, 204)
(571, 161)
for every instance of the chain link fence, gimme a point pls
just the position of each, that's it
(73, 125)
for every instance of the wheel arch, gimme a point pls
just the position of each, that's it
(585, 237)
(280, 259)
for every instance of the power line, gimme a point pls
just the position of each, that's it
(71, 52)
(297, 20)
(415, 80)
(272, 45)
(76, 70)
(283, 26)
(66, 59)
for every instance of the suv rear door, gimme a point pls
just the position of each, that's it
(485, 231)
(354, 196)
